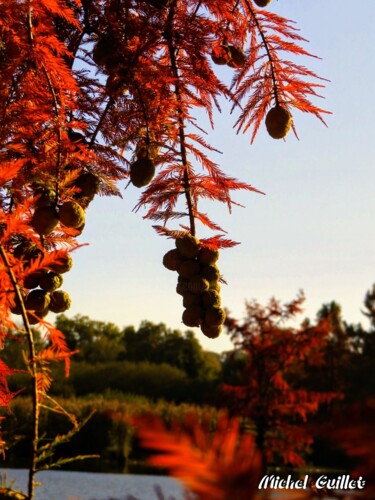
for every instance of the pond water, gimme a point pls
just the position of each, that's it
(62, 485)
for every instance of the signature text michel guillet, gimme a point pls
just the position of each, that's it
(344, 482)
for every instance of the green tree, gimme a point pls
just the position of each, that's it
(233, 365)
(183, 351)
(15, 348)
(338, 350)
(101, 342)
(350, 353)
(369, 303)
(141, 344)
(212, 367)
(96, 341)
(362, 375)
(158, 344)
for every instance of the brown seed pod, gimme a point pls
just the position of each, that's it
(60, 301)
(45, 196)
(44, 220)
(208, 256)
(51, 281)
(182, 286)
(211, 298)
(190, 299)
(214, 316)
(117, 85)
(32, 280)
(197, 284)
(188, 245)
(262, 3)
(193, 316)
(101, 49)
(189, 268)
(220, 54)
(211, 331)
(215, 285)
(278, 122)
(37, 300)
(64, 264)
(105, 52)
(146, 150)
(237, 57)
(34, 317)
(80, 229)
(172, 260)
(211, 273)
(88, 184)
(142, 172)
(71, 214)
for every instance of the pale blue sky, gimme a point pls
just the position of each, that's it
(314, 229)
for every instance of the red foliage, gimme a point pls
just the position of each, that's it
(5, 394)
(88, 87)
(213, 465)
(276, 356)
(354, 432)
(269, 76)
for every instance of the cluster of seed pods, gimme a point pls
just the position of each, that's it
(40, 289)
(198, 283)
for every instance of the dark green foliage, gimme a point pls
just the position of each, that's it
(349, 355)
(88, 185)
(359, 372)
(233, 365)
(124, 377)
(96, 341)
(14, 347)
(100, 342)
(153, 381)
(369, 303)
(159, 344)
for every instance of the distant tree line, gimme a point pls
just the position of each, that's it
(153, 361)
(99, 342)
(160, 363)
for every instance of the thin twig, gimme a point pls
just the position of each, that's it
(181, 124)
(33, 373)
